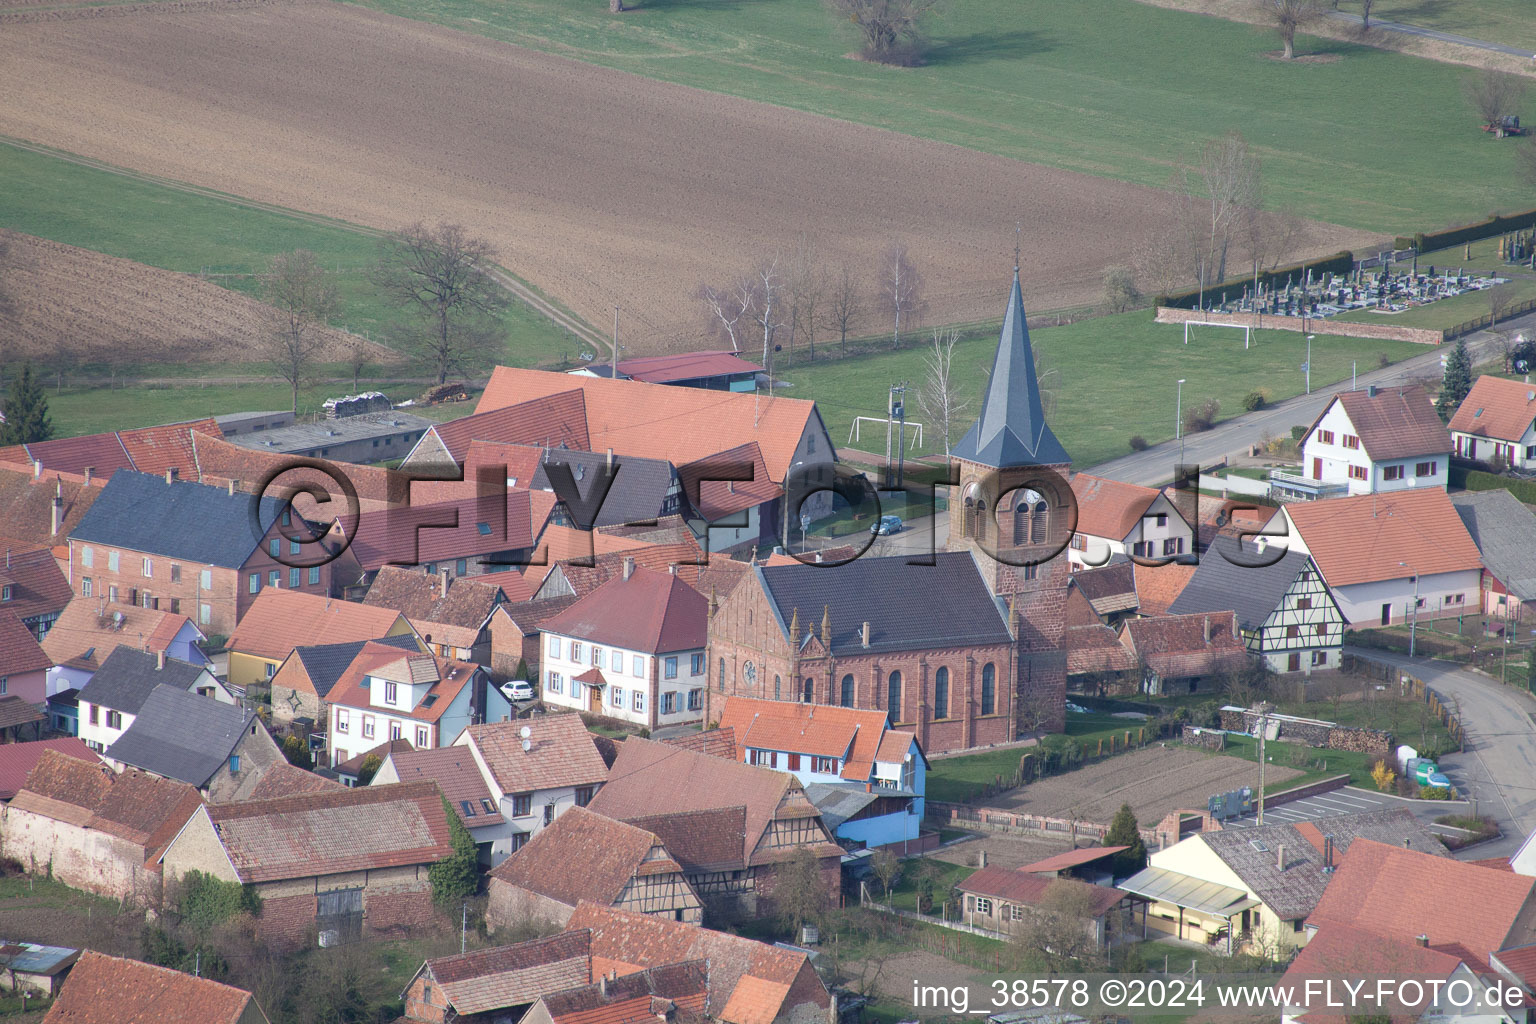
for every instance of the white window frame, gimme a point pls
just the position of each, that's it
(423, 738)
(639, 701)
(616, 696)
(575, 652)
(149, 568)
(669, 702)
(343, 720)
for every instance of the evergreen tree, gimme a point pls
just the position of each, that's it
(1125, 831)
(26, 411)
(456, 876)
(1457, 380)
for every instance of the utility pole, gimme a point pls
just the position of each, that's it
(464, 929)
(1309, 364)
(900, 390)
(613, 368)
(1264, 708)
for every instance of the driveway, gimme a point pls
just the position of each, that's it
(1498, 768)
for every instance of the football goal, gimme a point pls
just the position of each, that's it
(1247, 331)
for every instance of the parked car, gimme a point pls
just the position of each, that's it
(887, 525)
(517, 690)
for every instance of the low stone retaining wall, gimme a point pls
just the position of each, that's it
(1324, 735)
(1206, 739)
(1314, 325)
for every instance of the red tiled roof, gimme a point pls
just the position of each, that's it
(823, 730)
(102, 453)
(1365, 539)
(283, 779)
(15, 710)
(1095, 648)
(507, 976)
(220, 461)
(657, 421)
(555, 418)
(18, 759)
(26, 504)
(514, 584)
(354, 764)
(456, 774)
(1521, 961)
(715, 498)
(157, 449)
(705, 840)
(280, 620)
(674, 992)
(316, 834)
(453, 618)
(1071, 859)
(610, 855)
(1175, 646)
(1497, 408)
(561, 544)
(461, 528)
(1109, 508)
(655, 612)
(19, 650)
(105, 989)
(351, 690)
(89, 624)
(37, 584)
(560, 753)
(143, 809)
(719, 742)
(1029, 889)
(686, 366)
(1159, 587)
(1395, 423)
(586, 573)
(1343, 949)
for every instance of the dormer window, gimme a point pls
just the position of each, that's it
(389, 692)
(5, 592)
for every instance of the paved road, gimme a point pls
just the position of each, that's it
(1498, 768)
(1155, 466)
(1429, 33)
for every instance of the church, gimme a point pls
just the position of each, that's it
(964, 652)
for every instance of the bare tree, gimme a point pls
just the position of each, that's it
(1268, 236)
(901, 288)
(1288, 17)
(1500, 298)
(730, 309)
(890, 28)
(799, 894)
(1493, 94)
(1161, 259)
(1120, 292)
(1365, 14)
(939, 397)
(844, 305)
(1229, 185)
(441, 277)
(805, 289)
(767, 283)
(303, 299)
(1060, 929)
(359, 358)
(887, 866)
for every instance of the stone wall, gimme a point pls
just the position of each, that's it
(79, 857)
(1313, 325)
(509, 906)
(1206, 739)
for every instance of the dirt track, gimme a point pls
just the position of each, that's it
(1154, 781)
(599, 187)
(89, 305)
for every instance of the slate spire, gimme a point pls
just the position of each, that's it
(1011, 429)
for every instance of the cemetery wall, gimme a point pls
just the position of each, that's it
(1313, 325)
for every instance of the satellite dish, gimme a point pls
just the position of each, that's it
(527, 745)
(525, 732)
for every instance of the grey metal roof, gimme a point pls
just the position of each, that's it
(839, 801)
(1011, 430)
(1232, 577)
(324, 663)
(182, 736)
(908, 607)
(184, 520)
(308, 437)
(638, 493)
(31, 958)
(1188, 892)
(1504, 530)
(128, 676)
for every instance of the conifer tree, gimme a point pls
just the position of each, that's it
(26, 411)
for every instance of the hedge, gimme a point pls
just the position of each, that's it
(1338, 263)
(1493, 225)
(1477, 480)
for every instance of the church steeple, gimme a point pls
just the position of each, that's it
(1011, 430)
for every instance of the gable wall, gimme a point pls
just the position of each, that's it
(79, 857)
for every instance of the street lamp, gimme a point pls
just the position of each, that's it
(1309, 363)
(1178, 418)
(1413, 627)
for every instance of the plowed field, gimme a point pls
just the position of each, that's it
(600, 188)
(89, 304)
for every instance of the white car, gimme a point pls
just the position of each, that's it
(517, 690)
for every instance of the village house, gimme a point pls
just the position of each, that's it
(727, 824)
(94, 829)
(137, 545)
(105, 989)
(455, 615)
(1502, 527)
(1370, 442)
(355, 770)
(90, 629)
(387, 693)
(39, 508)
(1497, 422)
(345, 864)
(18, 759)
(283, 779)
(33, 588)
(749, 982)
(111, 701)
(866, 778)
(32, 968)
(1009, 900)
(1388, 558)
(219, 749)
(150, 450)
(671, 994)
(499, 983)
(1158, 586)
(1285, 612)
(926, 645)
(24, 664)
(536, 769)
(221, 462)
(1115, 518)
(633, 649)
(1257, 886)
(304, 680)
(616, 865)
(457, 774)
(281, 620)
(733, 500)
(1110, 590)
(1184, 653)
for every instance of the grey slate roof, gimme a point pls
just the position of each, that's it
(1230, 579)
(128, 676)
(185, 520)
(1504, 530)
(324, 663)
(1011, 430)
(638, 493)
(182, 736)
(839, 801)
(1294, 892)
(908, 607)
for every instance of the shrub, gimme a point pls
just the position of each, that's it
(1120, 293)
(368, 769)
(296, 751)
(207, 901)
(1138, 443)
(1253, 401)
(1383, 775)
(1297, 433)
(1201, 416)
(1434, 793)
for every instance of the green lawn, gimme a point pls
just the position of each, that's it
(1100, 364)
(1314, 764)
(141, 219)
(1499, 21)
(904, 894)
(955, 778)
(1107, 87)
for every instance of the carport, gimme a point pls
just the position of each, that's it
(1188, 894)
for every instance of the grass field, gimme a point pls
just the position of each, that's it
(164, 226)
(1447, 312)
(1499, 21)
(1099, 363)
(1087, 86)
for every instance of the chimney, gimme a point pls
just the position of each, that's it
(159, 661)
(629, 566)
(88, 471)
(442, 579)
(982, 859)
(1207, 630)
(610, 458)
(1280, 857)
(1370, 391)
(58, 509)
(864, 635)
(1422, 940)
(232, 487)
(672, 568)
(170, 475)
(1405, 842)
(1328, 852)
(602, 986)
(869, 787)
(37, 471)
